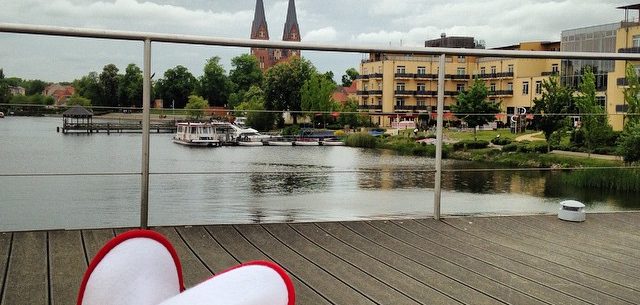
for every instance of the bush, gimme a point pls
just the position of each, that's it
(291, 130)
(526, 147)
(629, 143)
(339, 133)
(510, 147)
(470, 144)
(361, 140)
(501, 141)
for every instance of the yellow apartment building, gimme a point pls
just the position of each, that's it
(399, 87)
(627, 41)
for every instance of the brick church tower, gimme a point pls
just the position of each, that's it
(259, 30)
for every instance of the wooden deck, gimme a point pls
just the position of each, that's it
(494, 260)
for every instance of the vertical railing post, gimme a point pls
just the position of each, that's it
(437, 194)
(146, 104)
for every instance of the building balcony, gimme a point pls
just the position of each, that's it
(629, 50)
(362, 76)
(426, 93)
(622, 82)
(457, 76)
(405, 108)
(375, 92)
(451, 93)
(501, 93)
(370, 107)
(426, 76)
(423, 108)
(549, 73)
(404, 92)
(404, 75)
(494, 75)
(362, 92)
(375, 75)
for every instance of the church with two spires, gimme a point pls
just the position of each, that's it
(259, 30)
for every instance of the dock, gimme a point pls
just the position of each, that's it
(463, 260)
(127, 127)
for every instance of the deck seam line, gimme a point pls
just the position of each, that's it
(84, 247)
(495, 266)
(193, 251)
(6, 270)
(581, 260)
(541, 258)
(49, 282)
(288, 271)
(349, 263)
(534, 267)
(220, 244)
(388, 265)
(573, 248)
(425, 265)
(461, 266)
(320, 267)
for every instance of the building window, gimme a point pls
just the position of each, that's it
(365, 71)
(492, 87)
(482, 71)
(379, 102)
(493, 69)
(461, 58)
(422, 87)
(538, 87)
(459, 87)
(460, 71)
(400, 87)
(379, 69)
(602, 101)
(525, 88)
(366, 87)
(400, 102)
(636, 41)
(554, 68)
(509, 86)
(401, 69)
(510, 68)
(511, 110)
(422, 102)
(422, 70)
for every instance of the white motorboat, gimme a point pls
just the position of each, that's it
(332, 143)
(280, 143)
(196, 134)
(250, 143)
(306, 142)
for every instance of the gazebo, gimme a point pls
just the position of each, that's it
(79, 113)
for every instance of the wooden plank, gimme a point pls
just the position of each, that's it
(514, 281)
(27, 278)
(94, 240)
(594, 245)
(317, 278)
(563, 231)
(230, 239)
(427, 275)
(207, 249)
(390, 275)
(471, 226)
(364, 282)
(451, 234)
(5, 250)
(193, 270)
(494, 224)
(67, 264)
(568, 288)
(480, 282)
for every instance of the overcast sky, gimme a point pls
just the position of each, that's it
(367, 22)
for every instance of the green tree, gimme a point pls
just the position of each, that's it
(253, 102)
(88, 87)
(632, 95)
(473, 107)
(35, 86)
(78, 100)
(130, 89)
(629, 142)
(176, 86)
(348, 115)
(550, 110)
(350, 75)
(245, 72)
(329, 76)
(594, 125)
(214, 85)
(109, 81)
(4, 89)
(196, 106)
(283, 84)
(316, 95)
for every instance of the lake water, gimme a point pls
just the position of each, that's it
(246, 184)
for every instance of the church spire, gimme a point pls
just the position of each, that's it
(291, 29)
(259, 28)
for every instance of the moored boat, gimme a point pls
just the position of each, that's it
(250, 143)
(331, 142)
(280, 143)
(306, 142)
(196, 134)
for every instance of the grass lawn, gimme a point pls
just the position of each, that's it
(486, 135)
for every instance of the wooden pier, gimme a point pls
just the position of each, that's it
(493, 260)
(108, 128)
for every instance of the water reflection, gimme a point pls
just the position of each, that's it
(288, 183)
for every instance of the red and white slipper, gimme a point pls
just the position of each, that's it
(139, 267)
